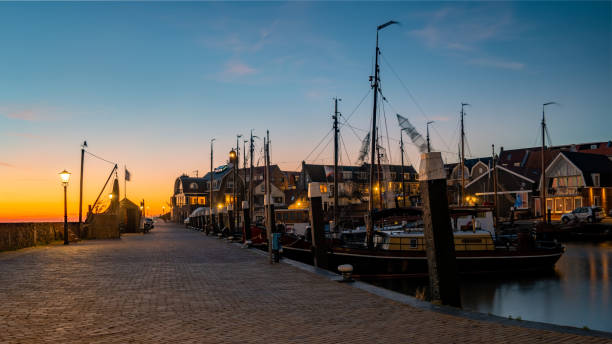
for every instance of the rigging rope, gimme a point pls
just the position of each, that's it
(405, 87)
(95, 156)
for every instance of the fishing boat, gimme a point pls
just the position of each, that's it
(393, 242)
(399, 248)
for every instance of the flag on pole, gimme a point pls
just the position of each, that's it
(127, 175)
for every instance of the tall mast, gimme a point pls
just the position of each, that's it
(251, 198)
(462, 155)
(336, 133)
(428, 145)
(402, 172)
(494, 163)
(244, 157)
(375, 86)
(543, 185)
(212, 178)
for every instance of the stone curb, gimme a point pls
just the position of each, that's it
(414, 302)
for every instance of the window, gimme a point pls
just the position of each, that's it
(568, 204)
(593, 146)
(407, 176)
(549, 204)
(521, 200)
(558, 205)
(323, 188)
(595, 177)
(346, 175)
(193, 186)
(577, 203)
(597, 201)
(413, 243)
(277, 200)
(393, 175)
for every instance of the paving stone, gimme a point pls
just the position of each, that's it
(174, 285)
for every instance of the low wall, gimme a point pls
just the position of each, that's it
(101, 226)
(25, 234)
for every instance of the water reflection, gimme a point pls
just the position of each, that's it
(576, 293)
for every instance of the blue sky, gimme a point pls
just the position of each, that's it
(148, 84)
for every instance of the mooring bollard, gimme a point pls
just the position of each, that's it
(439, 239)
(347, 272)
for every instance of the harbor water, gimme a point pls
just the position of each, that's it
(577, 293)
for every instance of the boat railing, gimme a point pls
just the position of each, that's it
(418, 244)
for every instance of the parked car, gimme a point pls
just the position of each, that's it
(148, 223)
(583, 214)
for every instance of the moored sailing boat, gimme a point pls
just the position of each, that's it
(399, 249)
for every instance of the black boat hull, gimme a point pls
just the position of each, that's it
(380, 263)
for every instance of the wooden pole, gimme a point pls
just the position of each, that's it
(439, 240)
(267, 200)
(318, 230)
(81, 186)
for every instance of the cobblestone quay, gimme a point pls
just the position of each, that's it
(178, 286)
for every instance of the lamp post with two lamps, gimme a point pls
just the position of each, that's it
(65, 177)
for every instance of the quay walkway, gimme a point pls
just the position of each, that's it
(174, 285)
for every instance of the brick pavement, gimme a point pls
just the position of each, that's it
(179, 286)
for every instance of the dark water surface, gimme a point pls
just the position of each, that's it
(577, 293)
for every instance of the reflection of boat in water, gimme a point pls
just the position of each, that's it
(399, 249)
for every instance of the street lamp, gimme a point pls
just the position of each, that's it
(110, 196)
(65, 177)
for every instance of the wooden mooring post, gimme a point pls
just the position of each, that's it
(318, 229)
(439, 240)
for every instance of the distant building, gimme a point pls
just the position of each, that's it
(575, 179)
(353, 185)
(191, 193)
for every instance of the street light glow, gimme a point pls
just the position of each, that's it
(65, 176)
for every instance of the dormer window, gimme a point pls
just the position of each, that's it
(595, 177)
(193, 186)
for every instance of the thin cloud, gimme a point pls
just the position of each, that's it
(24, 115)
(31, 113)
(465, 30)
(26, 135)
(5, 164)
(513, 65)
(238, 69)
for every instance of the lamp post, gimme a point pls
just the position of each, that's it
(65, 177)
(233, 155)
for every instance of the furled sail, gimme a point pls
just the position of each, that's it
(365, 148)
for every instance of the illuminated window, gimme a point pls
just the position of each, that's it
(323, 188)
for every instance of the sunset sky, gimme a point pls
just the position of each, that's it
(149, 84)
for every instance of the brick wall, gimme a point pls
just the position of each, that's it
(19, 235)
